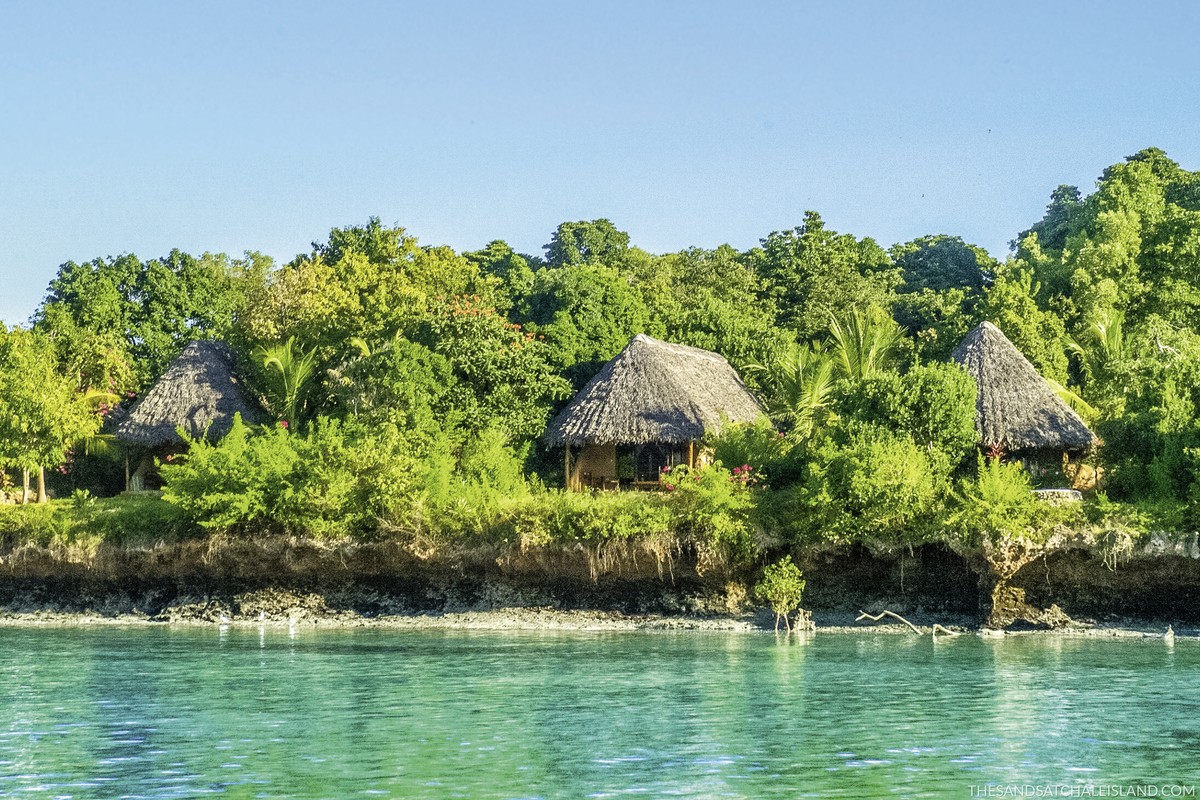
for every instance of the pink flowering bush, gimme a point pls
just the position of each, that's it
(714, 507)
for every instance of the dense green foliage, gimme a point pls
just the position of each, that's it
(782, 587)
(415, 382)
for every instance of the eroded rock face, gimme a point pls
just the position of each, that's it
(1010, 608)
(1074, 576)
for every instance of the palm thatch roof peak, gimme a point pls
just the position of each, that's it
(199, 392)
(1015, 407)
(654, 391)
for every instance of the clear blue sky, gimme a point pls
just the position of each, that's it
(138, 127)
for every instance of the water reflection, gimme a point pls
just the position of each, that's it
(276, 713)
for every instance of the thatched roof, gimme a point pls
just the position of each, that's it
(654, 392)
(199, 392)
(1016, 408)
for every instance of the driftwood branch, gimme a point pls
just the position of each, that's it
(864, 615)
(937, 628)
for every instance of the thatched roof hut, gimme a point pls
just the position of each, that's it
(654, 392)
(199, 392)
(1016, 408)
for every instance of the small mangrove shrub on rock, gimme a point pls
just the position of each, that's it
(782, 588)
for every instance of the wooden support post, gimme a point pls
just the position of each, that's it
(567, 467)
(692, 455)
(127, 470)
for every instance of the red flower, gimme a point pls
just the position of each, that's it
(283, 424)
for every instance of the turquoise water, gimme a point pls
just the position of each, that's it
(156, 713)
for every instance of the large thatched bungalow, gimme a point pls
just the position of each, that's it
(1016, 411)
(645, 410)
(199, 393)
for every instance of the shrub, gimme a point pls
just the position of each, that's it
(782, 587)
(131, 520)
(934, 405)
(777, 457)
(713, 507)
(999, 505)
(36, 524)
(877, 484)
(550, 517)
(334, 480)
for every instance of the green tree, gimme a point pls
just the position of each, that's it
(942, 262)
(587, 314)
(511, 269)
(148, 311)
(402, 384)
(42, 413)
(711, 299)
(1010, 303)
(503, 375)
(782, 586)
(367, 281)
(799, 382)
(934, 405)
(583, 242)
(864, 342)
(811, 273)
(290, 376)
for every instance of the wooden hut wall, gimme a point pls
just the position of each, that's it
(593, 464)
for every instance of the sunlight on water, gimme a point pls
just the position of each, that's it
(162, 713)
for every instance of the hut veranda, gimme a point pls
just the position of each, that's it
(199, 394)
(646, 410)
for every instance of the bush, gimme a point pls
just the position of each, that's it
(36, 524)
(713, 507)
(999, 505)
(88, 522)
(933, 405)
(760, 445)
(550, 517)
(876, 484)
(782, 587)
(131, 520)
(332, 481)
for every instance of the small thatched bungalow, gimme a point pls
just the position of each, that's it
(199, 392)
(1016, 410)
(645, 410)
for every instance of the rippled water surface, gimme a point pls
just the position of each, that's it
(158, 713)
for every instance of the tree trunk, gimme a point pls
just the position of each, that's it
(42, 497)
(24, 487)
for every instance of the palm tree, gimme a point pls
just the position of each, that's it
(290, 373)
(1101, 353)
(800, 381)
(1101, 346)
(864, 343)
